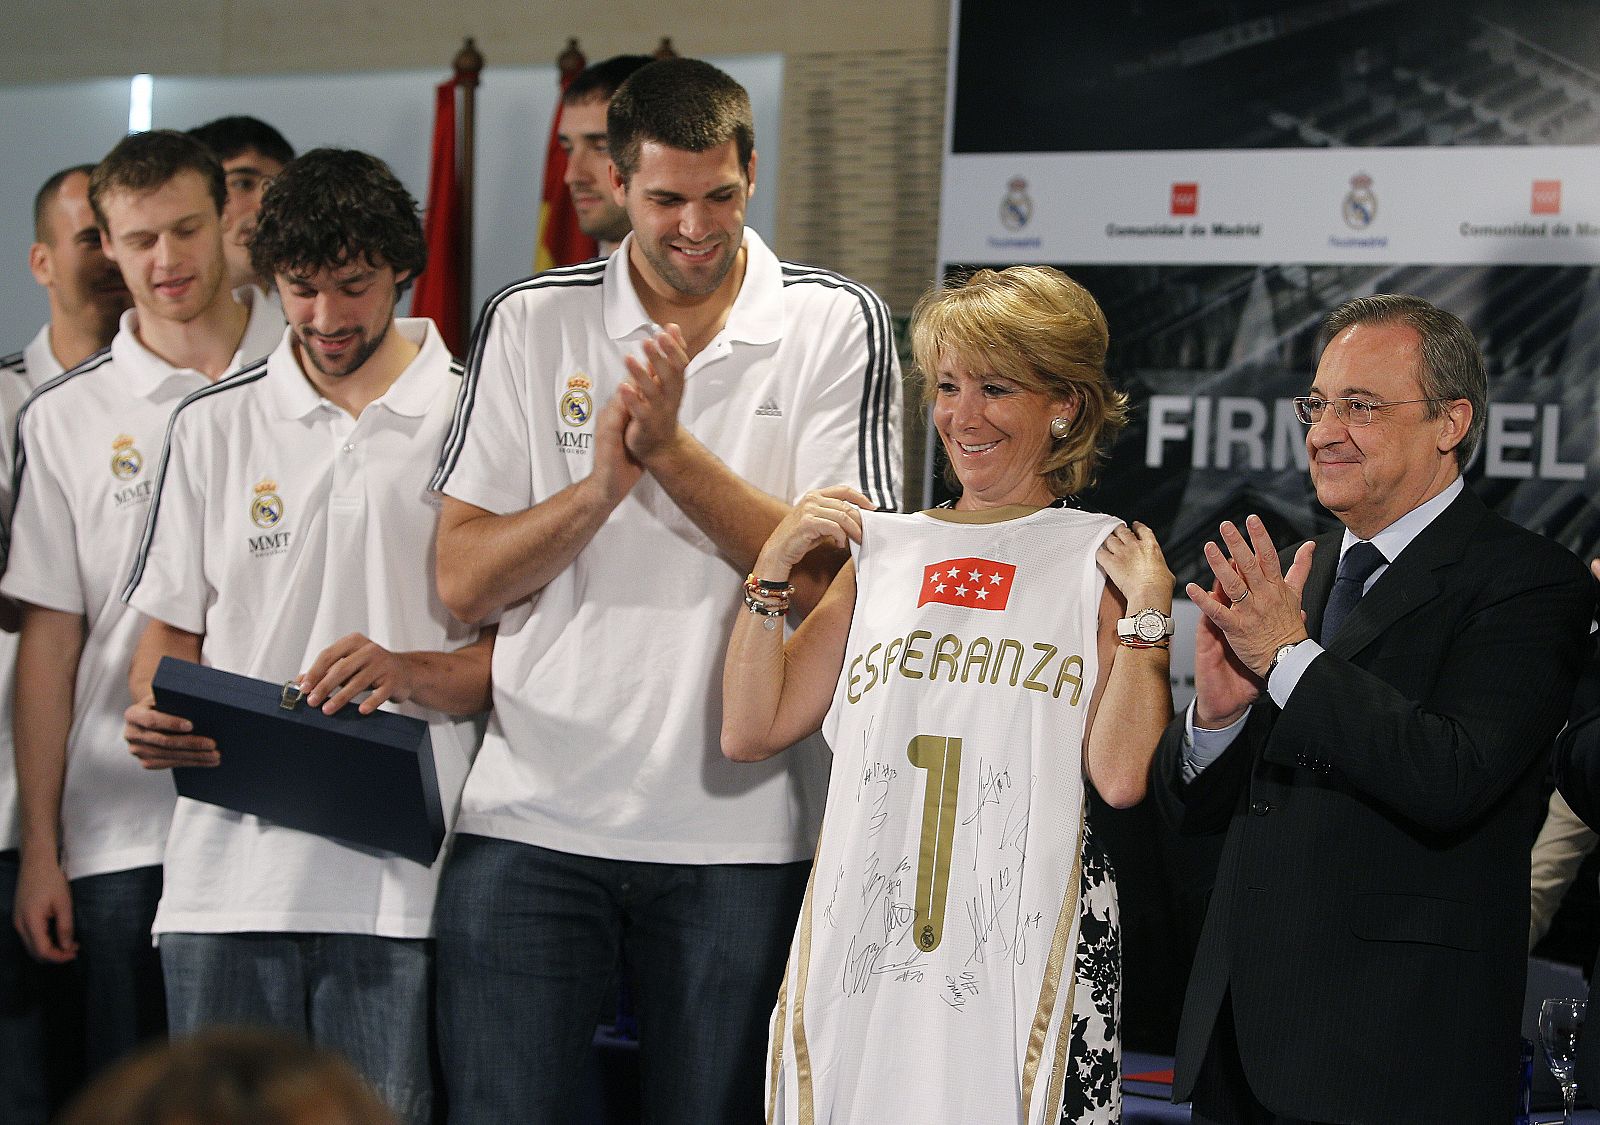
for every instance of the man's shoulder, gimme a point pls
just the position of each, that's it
(561, 287)
(76, 388)
(1509, 554)
(237, 392)
(802, 282)
(14, 364)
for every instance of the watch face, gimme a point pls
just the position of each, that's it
(1149, 626)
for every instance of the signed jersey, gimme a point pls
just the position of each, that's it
(931, 976)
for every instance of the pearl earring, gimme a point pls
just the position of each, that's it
(1059, 427)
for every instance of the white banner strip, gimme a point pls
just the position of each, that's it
(1521, 205)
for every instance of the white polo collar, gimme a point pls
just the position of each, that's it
(40, 359)
(411, 394)
(145, 373)
(756, 316)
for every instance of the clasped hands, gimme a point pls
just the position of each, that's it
(1252, 610)
(640, 422)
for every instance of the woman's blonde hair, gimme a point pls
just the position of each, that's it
(1043, 331)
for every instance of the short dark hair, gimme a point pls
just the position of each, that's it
(142, 162)
(1451, 365)
(46, 195)
(681, 103)
(331, 206)
(600, 81)
(227, 137)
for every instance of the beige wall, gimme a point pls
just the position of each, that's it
(61, 39)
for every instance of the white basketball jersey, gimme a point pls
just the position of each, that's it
(931, 975)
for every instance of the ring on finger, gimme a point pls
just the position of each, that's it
(1241, 597)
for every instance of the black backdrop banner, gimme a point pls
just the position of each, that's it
(1220, 175)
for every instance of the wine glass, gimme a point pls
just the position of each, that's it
(1560, 1024)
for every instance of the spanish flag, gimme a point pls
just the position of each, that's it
(560, 242)
(438, 291)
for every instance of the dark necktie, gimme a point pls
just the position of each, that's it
(1354, 569)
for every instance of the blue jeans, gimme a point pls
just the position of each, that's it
(41, 1022)
(119, 967)
(369, 998)
(528, 946)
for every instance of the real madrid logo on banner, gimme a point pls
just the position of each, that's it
(266, 510)
(1016, 208)
(126, 461)
(1360, 205)
(576, 405)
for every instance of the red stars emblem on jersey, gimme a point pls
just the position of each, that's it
(971, 582)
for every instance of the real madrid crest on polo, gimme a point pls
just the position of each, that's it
(576, 413)
(126, 460)
(267, 508)
(127, 463)
(267, 512)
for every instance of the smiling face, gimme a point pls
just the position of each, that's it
(995, 432)
(582, 136)
(687, 210)
(1370, 476)
(342, 316)
(168, 244)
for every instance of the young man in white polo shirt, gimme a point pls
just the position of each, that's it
(607, 484)
(38, 1060)
(93, 824)
(290, 537)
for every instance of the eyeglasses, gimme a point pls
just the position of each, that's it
(1350, 411)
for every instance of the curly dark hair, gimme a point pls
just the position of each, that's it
(334, 205)
(680, 103)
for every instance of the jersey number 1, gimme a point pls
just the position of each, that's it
(941, 757)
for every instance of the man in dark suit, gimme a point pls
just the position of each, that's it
(1577, 766)
(1367, 732)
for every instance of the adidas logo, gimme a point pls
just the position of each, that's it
(769, 409)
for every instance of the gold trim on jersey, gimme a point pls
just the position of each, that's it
(986, 515)
(802, 1050)
(1058, 1074)
(1047, 997)
(940, 756)
(778, 1015)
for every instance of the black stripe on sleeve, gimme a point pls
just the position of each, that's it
(875, 457)
(585, 274)
(241, 378)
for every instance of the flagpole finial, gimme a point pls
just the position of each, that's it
(468, 63)
(665, 49)
(571, 61)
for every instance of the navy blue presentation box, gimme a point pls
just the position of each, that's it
(361, 779)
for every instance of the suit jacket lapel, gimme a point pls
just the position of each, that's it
(1410, 580)
(1319, 583)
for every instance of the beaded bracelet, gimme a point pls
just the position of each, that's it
(766, 587)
